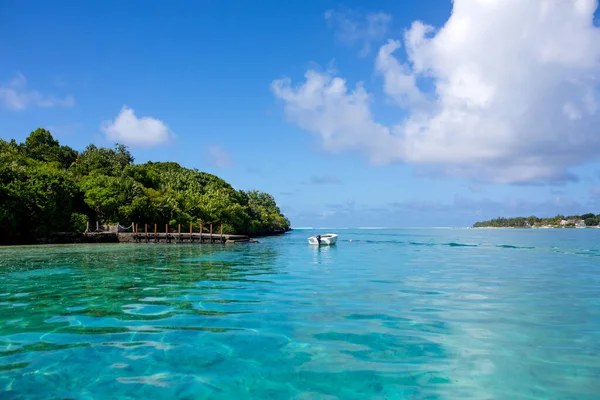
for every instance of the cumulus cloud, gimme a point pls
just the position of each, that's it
(14, 95)
(506, 91)
(323, 105)
(218, 157)
(351, 27)
(128, 129)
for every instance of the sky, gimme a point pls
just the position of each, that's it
(351, 114)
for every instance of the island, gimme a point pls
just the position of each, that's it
(589, 220)
(46, 187)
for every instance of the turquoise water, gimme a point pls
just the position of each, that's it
(391, 314)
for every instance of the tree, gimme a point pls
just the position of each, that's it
(41, 146)
(46, 187)
(101, 160)
(591, 221)
(265, 214)
(35, 200)
(107, 195)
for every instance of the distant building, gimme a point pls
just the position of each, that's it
(576, 222)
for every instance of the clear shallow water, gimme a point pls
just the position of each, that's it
(391, 314)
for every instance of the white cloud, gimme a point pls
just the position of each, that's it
(400, 83)
(14, 95)
(513, 98)
(323, 105)
(218, 157)
(351, 27)
(128, 129)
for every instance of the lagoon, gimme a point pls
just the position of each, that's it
(383, 314)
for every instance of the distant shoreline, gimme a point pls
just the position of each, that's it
(535, 227)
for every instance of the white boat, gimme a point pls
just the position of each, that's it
(327, 239)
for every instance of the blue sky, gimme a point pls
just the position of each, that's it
(457, 119)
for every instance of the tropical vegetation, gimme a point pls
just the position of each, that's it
(588, 219)
(46, 187)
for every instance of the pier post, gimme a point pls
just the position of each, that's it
(200, 232)
(191, 233)
(210, 233)
(221, 233)
(146, 232)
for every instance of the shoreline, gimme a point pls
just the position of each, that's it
(535, 227)
(140, 238)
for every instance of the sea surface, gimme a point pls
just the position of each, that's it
(384, 314)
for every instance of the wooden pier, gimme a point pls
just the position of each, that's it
(198, 238)
(152, 235)
(178, 237)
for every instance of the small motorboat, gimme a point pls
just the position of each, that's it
(327, 239)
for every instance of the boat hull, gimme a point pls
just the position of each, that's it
(326, 240)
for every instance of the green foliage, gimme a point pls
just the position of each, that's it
(103, 161)
(46, 187)
(263, 208)
(35, 199)
(591, 221)
(41, 146)
(570, 221)
(79, 222)
(502, 222)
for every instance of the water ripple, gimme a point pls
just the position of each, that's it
(384, 314)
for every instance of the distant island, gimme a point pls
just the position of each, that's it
(559, 221)
(47, 188)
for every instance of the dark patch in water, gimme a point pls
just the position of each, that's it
(8, 367)
(451, 244)
(421, 244)
(419, 292)
(378, 241)
(372, 316)
(510, 246)
(425, 310)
